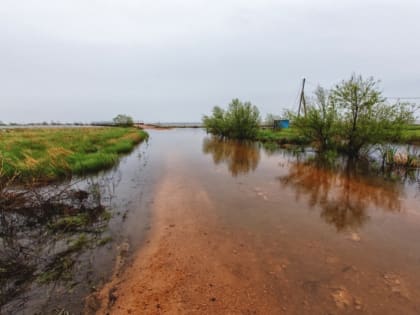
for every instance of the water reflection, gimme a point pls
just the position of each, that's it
(241, 157)
(343, 195)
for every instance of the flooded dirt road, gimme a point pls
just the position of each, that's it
(187, 224)
(236, 229)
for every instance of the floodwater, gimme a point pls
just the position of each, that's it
(290, 235)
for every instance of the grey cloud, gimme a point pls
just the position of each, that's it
(173, 60)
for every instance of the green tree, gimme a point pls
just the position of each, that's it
(365, 118)
(123, 120)
(239, 121)
(352, 117)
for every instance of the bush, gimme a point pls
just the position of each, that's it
(123, 121)
(239, 121)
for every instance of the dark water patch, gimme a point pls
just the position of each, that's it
(60, 242)
(43, 232)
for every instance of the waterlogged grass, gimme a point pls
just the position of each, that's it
(70, 223)
(48, 154)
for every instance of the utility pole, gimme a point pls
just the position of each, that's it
(302, 101)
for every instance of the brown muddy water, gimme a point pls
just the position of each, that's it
(278, 234)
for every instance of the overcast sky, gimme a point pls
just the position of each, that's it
(84, 60)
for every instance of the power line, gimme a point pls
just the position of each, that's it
(404, 98)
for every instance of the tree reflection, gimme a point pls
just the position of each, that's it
(343, 194)
(241, 157)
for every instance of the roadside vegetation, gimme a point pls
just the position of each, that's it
(48, 154)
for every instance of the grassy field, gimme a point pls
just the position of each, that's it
(49, 153)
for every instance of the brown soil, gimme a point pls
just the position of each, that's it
(188, 267)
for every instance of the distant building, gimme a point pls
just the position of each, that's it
(281, 123)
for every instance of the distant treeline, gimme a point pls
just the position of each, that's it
(57, 123)
(52, 123)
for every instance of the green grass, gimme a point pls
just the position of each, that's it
(281, 136)
(411, 134)
(49, 153)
